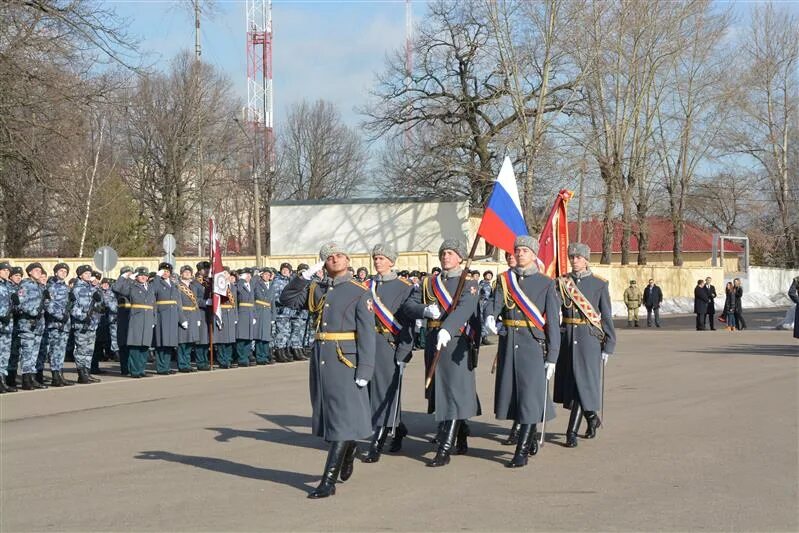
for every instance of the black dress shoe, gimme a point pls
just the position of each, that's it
(166, 373)
(593, 423)
(376, 447)
(571, 440)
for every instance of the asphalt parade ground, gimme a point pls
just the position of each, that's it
(700, 433)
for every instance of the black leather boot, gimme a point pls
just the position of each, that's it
(93, 379)
(437, 438)
(64, 381)
(396, 443)
(40, 376)
(282, 355)
(574, 424)
(348, 465)
(3, 386)
(512, 436)
(376, 448)
(11, 384)
(593, 423)
(26, 382)
(335, 457)
(83, 376)
(55, 381)
(296, 354)
(461, 445)
(446, 440)
(307, 352)
(36, 383)
(522, 447)
(533, 447)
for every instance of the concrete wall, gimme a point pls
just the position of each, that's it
(769, 281)
(304, 228)
(673, 281)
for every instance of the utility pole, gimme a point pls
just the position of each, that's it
(198, 81)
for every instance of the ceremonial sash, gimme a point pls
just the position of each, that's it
(188, 293)
(441, 293)
(582, 303)
(510, 284)
(382, 312)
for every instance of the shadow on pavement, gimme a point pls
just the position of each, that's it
(779, 350)
(292, 430)
(281, 477)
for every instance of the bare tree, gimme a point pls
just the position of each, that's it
(320, 156)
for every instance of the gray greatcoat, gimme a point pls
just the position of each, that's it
(341, 409)
(245, 296)
(578, 374)
(264, 300)
(394, 293)
(189, 304)
(521, 378)
(227, 333)
(453, 393)
(203, 295)
(168, 313)
(141, 313)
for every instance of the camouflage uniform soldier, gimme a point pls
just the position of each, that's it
(283, 316)
(187, 337)
(14, 280)
(87, 308)
(140, 295)
(111, 316)
(264, 300)
(57, 323)
(201, 286)
(342, 362)
(105, 338)
(299, 327)
(587, 340)
(30, 296)
(6, 325)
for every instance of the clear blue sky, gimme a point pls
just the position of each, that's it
(322, 49)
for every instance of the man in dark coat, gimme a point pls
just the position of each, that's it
(711, 303)
(140, 295)
(740, 323)
(588, 339)
(189, 304)
(393, 349)
(264, 300)
(168, 318)
(452, 395)
(201, 287)
(123, 315)
(528, 346)
(653, 297)
(701, 299)
(793, 294)
(343, 359)
(247, 321)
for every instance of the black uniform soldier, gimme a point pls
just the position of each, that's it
(264, 299)
(342, 362)
(452, 396)
(529, 306)
(140, 295)
(393, 349)
(587, 340)
(189, 304)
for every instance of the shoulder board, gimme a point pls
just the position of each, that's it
(359, 284)
(405, 281)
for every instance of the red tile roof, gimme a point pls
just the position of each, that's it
(661, 236)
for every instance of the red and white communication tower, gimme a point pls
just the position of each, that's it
(259, 76)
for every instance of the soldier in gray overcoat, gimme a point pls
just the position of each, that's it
(201, 286)
(225, 331)
(587, 340)
(264, 299)
(247, 321)
(452, 396)
(189, 304)
(343, 359)
(140, 296)
(393, 349)
(123, 317)
(169, 317)
(528, 346)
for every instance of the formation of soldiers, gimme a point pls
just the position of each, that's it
(364, 336)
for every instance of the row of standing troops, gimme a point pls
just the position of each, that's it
(363, 340)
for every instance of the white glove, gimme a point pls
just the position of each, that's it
(432, 311)
(254, 321)
(159, 273)
(550, 369)
(209, 301)
(443, 339)
(361, 382)
(184, 324)
(309, 274)
(491, 324)
(605, 357)
(128, 275)
(199, 323)
(235, 322)
(401, 364)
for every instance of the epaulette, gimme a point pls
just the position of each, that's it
(405, 281)
(359, 284)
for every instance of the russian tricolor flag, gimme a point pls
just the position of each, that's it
(503, 219)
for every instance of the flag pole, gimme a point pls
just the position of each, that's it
(455, 299)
